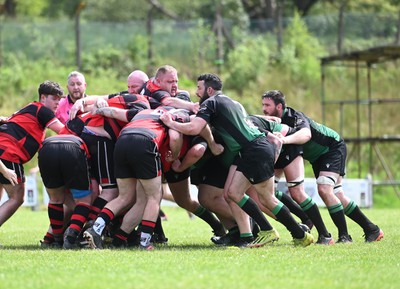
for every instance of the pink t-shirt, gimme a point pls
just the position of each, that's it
(62, 112)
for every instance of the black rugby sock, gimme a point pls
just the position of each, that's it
(250, 207)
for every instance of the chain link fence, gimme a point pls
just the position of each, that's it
(56, 39)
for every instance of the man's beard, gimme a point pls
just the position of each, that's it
(76, 96)
(274, 113)
(204, 98)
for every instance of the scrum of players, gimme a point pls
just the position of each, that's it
(113, 158)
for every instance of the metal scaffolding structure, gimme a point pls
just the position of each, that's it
(358, 60)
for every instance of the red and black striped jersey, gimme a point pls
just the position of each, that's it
(147, 122)
(132, 102)
(155, 94)
(22, 136)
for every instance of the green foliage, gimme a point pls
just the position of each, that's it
(20, 79)
(107, 59)
(371, 5)
(364, 6)
(242, 65)
(137, 50)
(234, 11)
(125, 10)
(202, 47)
(12, 73)
(386, 197)
(115, 10)
(301, 51)
(230, 9)
(37, 40)
(31, 8)
(57, 9)
(180, 8)
(35, 51)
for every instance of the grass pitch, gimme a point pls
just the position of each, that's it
(192, 261)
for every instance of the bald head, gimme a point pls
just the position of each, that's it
(136, 80)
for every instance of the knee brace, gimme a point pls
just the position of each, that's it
(109, 186)
(295, 183)
(276, 182)
(338, 189)
(325, 180)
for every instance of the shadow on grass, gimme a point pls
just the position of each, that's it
(182, 247)
(191, 247)
(169, 247)
(21, 247)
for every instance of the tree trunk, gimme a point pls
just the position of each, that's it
(220, 39)
(81, 5)
(304, 6)
(270, 8)
(9, 7)
(149, 30)
(163, 10)
(279, 25)
(342, 8)
(398, 31)
(78, 40)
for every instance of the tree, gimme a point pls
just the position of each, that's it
(396, 5)
(9, 8)
(157, 6)
(260, 9)
(266, 9)
(13, 8)
(341, 6)
(304, 6)
(116, 10)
